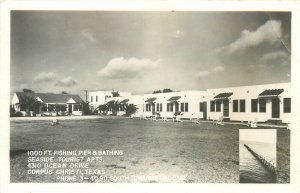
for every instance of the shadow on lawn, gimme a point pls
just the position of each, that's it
(16, 152)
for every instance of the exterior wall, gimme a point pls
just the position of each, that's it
(247, 93)
(97, 98)
(193, 98)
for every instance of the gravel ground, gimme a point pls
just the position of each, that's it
(196, 153)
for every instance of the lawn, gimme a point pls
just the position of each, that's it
(200, 153)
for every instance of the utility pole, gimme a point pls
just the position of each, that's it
(86, 95)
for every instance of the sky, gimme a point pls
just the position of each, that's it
(258, 135)
(139, 52)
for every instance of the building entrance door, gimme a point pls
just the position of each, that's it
(205, 110)
(70, 108)
(226, 108)
(275, 108)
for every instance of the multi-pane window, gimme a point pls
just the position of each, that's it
(159, 107)
(254, 104)
(218, 106)
(80, 107)
(212, 106)
(235, 104)
(186, 108)
(287, 105)
(91, 98)
(169, 107)
(96, 98)
(262, 105)
(242, 105)
(148, 107)
(75, 107)
(51, 107)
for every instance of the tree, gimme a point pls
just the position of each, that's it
(103, 108)
(28, 90)
(167, 90)
(86, 108)
(28, 102)
(130, 109)
(114, 106)
(156, 91)
(115, 93)
(162, 91)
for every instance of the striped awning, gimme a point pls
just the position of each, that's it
(223, 95)
(271, 93)
(150, 100)
(174, 99)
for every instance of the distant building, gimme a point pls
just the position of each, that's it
(49, 103)
(96, 98)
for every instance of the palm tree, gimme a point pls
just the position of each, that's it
(130, 109)
(102, 108)
(28, 102)
(113, 106)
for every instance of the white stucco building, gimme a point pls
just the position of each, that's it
(268, 102)
(96, 98)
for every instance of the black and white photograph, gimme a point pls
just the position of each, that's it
(150, 96)
(258, 161)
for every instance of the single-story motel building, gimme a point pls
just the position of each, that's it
(262, 103)
(48, 104)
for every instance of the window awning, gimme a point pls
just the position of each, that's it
(174, 99)
(223, 95)
(271, 93)
(150, 100)
(124, 101)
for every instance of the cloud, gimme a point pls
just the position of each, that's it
(278, 57)
(275, 56)
(121, 68)
(66, 82)
(218, 69)
(86, 34)
(205, 73)
(178, 34)
(44, 77)
(202, 74)
(270, 33)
